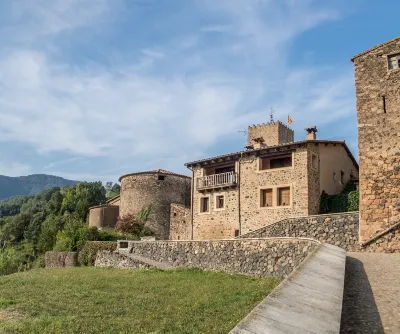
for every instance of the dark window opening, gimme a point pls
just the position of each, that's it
(384, 103)
(179, 237)
(236, 233)
(220, 202)
(204, 204)
(174, 214)
(161, 177)
(272, 163)
(224, 169)
(394, 62)
(341, 177)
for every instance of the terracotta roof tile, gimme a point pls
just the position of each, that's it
(341, 142)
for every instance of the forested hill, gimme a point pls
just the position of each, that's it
(30, 185)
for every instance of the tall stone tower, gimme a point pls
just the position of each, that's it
(377, 80)
(273, 133)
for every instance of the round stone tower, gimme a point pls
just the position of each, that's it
(157, 189)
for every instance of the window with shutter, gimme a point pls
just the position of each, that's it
(284, 196)
(266, 197)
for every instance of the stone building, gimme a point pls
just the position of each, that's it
(377, 81)
(273, 179)
(106, 215)
(156, 189)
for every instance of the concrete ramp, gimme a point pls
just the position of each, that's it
(307, 301)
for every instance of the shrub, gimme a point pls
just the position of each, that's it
(130, 224)
(347, 201)
(87, 255)
(136, 225)
(354, 200)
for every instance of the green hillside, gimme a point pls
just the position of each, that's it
(30, 185)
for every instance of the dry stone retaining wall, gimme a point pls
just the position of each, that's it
(336, 229)
(60, 259)
(256, 257)
(116, 260)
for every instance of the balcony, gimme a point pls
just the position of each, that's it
(217, 181)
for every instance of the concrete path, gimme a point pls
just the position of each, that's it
(371, 301)
(308, 301)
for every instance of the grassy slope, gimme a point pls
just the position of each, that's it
(96, 300)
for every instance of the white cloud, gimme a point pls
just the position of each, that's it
(151, 108)
(11, 168)
(61, 162)
(216, 28)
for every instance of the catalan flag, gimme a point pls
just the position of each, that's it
(289, 120)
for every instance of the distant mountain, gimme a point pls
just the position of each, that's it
(30, 185)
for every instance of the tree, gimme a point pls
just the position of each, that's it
(112, 190)
(79, 198)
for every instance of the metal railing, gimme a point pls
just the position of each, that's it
(217, 180)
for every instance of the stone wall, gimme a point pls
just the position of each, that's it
(257, 257)
(215, 224)
(116, 260)
(252, 180)
(388, 243)
(273, 133)
(180, 222)
(336, 229)
(60, 259)
(141, 190)
(378, 112)
(243, 213)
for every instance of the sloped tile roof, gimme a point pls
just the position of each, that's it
(297, 143)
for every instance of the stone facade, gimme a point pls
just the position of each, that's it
(155, 189)
(273, 133)
(337, 229)
(60, 259)
(180, 226)
(243, 211)
(378, 112)
(256, 257)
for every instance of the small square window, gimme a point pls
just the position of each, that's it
(161, 177)
(266, 197)
(236, 233)
(204, 204)
(220, 201)
(394, 61)
(174, 214)
(284, 196)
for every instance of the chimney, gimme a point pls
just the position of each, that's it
(311, 133)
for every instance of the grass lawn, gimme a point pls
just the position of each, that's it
(100, 300)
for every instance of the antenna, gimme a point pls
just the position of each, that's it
(272, 116)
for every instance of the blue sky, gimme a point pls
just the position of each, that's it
(93, 89)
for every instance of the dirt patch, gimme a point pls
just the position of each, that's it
(10, 316)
